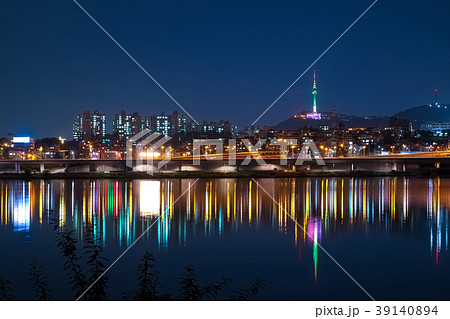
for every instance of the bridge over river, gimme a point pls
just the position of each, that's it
(382, 164)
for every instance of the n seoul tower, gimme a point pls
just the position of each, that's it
(314, 93)
(314, 115)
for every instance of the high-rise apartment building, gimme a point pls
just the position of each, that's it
(179, 123)
(161, 123)
(172, 124)
(89, 125)
(221, 128)
(127, 125)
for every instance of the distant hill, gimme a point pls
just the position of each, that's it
(295, 123)
(424, 113)
(417, 115)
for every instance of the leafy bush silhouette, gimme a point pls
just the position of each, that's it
(148, 285)
(39, 282)
(191, 291)
(93, 252)
(95, 262)
(93, 284)
(6, 290)
(247, 293)
(67, 244)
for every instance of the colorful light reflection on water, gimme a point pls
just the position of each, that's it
(122, 210)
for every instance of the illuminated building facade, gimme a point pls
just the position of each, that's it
(161, 123)
(89, 125)
(221, 128)
(172, 124)
(126, 125)
(21, 148)
(179, 123)
(438, 128)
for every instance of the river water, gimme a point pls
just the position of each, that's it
(298, 235)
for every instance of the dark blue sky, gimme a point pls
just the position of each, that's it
(219, 59)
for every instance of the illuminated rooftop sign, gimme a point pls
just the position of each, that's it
(314, 116)
(23, 140)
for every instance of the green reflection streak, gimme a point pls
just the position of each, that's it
(315, 254)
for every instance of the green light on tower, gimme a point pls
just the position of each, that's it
(314, 93)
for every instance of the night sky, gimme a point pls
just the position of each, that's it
(219, 59)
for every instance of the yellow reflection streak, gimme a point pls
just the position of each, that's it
(228, 201)
(321, 199)
(293, 200)
(206, 204)
(250, 202)
(241, 209)
(296, 235)
(279, 214)
(364, 200)
(188, 201)
(335, 199)
(430, 196)
(438, 210)
(342, 200)
(351, 200)
(235, 202)
(326, 198)
(84, 204)
(90, 202)
(2, 211)
(257, 201)
(62, 206)
(405, 195)
(210, 199)
(5, 205)
(392, 198)
(130, 204)
(31, 197)
(285, 210)
(162, 206)
(170, 199)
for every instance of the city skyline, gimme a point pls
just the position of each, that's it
(294, 150)
(384, 64)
